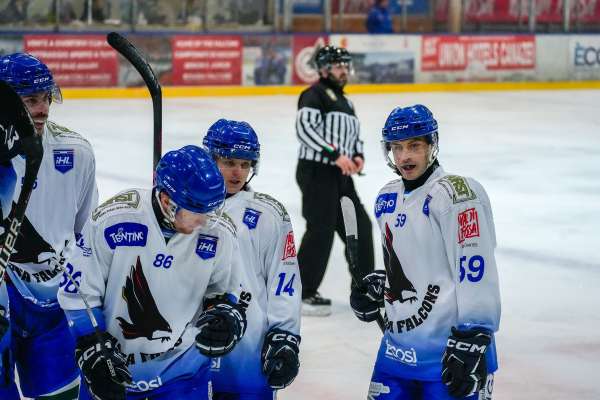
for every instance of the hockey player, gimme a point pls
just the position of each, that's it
(267, 357)
(440, 282)
(13, 142)
(160, 271)
(63, 197)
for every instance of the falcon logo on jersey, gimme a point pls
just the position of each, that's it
(251, 218)
(289, 249)
(64, 160)
(468, 225)
(401, 288)
(385, 204)
(207, 246)
(126, 234)
(146, 319)
(30, 246)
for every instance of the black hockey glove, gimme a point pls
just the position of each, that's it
(279, 357)
(104, 369)
(366, 299)
(221, 327)
(464, 370)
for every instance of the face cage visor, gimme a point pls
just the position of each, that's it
(212, 219)
(54, 93)
(386, 148)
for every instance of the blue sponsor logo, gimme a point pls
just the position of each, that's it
(251, 218)
(385, 204)
(63, 160)
(426, 205)
(207, 246)
(126, 234)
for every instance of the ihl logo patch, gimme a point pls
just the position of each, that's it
(64, 160)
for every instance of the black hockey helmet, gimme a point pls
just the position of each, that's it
(328, 55)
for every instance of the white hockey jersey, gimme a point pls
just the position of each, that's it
(64, 195)
(438, 245)
(271, 275)
(151, 291)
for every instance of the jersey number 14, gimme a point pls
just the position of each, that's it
(288, 288)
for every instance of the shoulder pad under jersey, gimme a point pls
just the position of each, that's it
(127, 199)
(457, 188)
(274, 204)
(224, 221)
(59, 131)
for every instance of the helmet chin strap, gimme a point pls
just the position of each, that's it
(169, 213)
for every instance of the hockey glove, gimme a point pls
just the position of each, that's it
(366, 299)
(464, 370)
(104, 369)
(279, 357)
(221, 327)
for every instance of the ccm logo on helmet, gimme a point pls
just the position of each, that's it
(399, 127)
(468, 347)
(241, 146)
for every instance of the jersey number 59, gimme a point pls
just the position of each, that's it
(475, 266)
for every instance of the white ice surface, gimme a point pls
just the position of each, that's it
(536, 153)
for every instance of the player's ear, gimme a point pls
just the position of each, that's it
(164, 200)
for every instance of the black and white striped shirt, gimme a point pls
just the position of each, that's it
(326, 125)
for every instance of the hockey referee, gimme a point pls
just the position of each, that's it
(330, 153)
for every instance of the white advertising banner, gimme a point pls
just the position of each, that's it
(382, 58)
(584, 57)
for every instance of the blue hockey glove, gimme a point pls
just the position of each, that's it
(279, 357)
(464, 370)
(367, 298)
(103, 369)
(221, 327)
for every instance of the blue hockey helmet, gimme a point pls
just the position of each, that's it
(233, 139)
(27, 75)
(410, 122)
(191, 179)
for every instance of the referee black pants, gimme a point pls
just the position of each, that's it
(322, 187)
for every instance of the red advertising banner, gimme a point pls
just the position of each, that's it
(303, 48)
(490, 53)
(76, 60)
(510, 11)
(207, 60)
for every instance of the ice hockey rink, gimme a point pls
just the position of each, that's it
(537, 153)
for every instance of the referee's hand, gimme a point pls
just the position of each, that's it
(346, 165)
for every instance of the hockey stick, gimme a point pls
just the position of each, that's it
(349, 214)
(88, 309)
(17, 124)
(134, 56)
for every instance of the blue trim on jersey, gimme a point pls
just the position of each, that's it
(421, 361)
(41, 345)
(386, 386)
(80, 323)
(8, 180)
